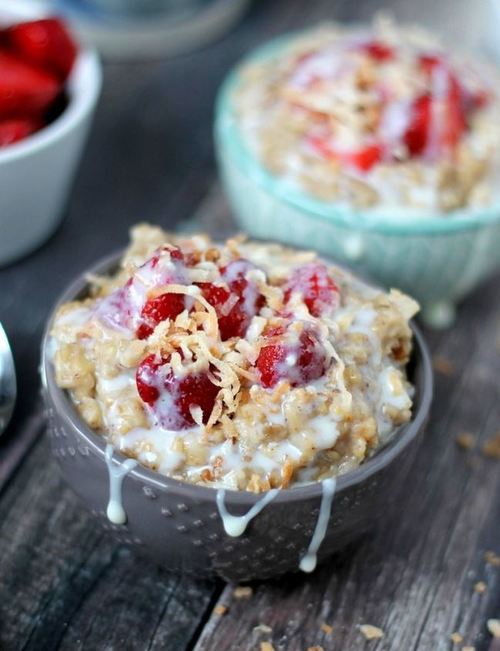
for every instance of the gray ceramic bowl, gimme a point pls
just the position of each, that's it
(178, 524)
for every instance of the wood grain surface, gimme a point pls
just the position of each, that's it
(65, 584)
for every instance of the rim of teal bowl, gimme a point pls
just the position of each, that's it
(230, 142)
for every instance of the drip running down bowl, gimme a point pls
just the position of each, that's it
(235, 535)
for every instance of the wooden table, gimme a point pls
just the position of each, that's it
(64, 584)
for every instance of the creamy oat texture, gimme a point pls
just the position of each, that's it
(321, 412)
(379, 118)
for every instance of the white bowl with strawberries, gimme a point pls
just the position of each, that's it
(49, 88)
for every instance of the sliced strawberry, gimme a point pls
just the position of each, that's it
(417, 132)
(455, 123)
(146, 379)
(429, 62)
(165, 306)
(24, 90)
(238, 303)
(378, 51)
(318, 289)
(480, 98)
(46, 44)
(130, 307)
(288, 357)
(156, 310)
(175, 254)
(172, 398)
(17, 129)
(362, 159)
(446, 88)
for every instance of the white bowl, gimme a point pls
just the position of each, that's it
(36, 173)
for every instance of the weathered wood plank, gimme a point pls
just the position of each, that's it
(66, 584)
(14, 448)
(415, 578)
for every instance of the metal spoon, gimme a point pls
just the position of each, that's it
(7, 381)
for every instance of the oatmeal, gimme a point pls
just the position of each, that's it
(379, 118)
(240, 365)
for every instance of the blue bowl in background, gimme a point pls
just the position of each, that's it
(437, 259)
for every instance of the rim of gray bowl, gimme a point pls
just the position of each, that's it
(403, 436)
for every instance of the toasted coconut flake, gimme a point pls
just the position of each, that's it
(442, 365)
(466, 440)
(480, 587)
(326, 628)
(242, 592)
(491, 448)
(406, 305)
(494, 627)
(456, 638)
(220, 609)
(262, 628)
(266, 646)
(492, 558)
(371, 632)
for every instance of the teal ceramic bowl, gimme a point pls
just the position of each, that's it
(438, 259)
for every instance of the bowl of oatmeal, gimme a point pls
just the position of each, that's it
(237, 409)
(376, 145)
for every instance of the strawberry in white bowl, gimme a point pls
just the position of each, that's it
(48, 91)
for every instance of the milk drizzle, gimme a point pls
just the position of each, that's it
(235, 525)
(308, 562)
(115, 511)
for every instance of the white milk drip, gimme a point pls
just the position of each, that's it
(235, 525)
(115, 511)
(308, 562)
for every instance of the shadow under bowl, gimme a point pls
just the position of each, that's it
(178, 524)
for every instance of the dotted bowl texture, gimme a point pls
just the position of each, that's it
(178, 525)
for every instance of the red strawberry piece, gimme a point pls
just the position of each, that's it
(362, 159)
(130, 308)
(17, 129)
(417, 132)
(145, 379)
(46, 44)
(455, 121)
(175, 254)
(472, 100)
(156, 310)
(24, 90)
(168, 305)
(378, 51)
(429, 62)
(445, 88)
(318, 289)
(171, 398)
(288, 357)
(238, 303)
(480, 98)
